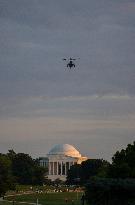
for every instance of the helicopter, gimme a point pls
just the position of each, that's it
(71, 63)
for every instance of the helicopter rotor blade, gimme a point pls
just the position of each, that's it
(74, 59)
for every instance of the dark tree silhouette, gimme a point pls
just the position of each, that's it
(6, 178)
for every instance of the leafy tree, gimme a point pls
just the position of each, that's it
(119, 185)
(109, 191)
(19, 168)
(93, 167)
(11, 154)
(74, 174)
(123, 163)
(79, 174)
(25, 169)
(6, 178)
(22, 167)
(39, 174)
(119, 171)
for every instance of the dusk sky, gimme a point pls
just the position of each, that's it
(42, 103)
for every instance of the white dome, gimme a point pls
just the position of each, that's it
(64, 149)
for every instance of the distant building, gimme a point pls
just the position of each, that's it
(59, 160)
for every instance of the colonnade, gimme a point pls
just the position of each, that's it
(59, 167)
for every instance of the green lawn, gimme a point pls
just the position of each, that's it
(47, 198)
(10, 203)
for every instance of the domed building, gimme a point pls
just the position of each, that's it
(59, 160)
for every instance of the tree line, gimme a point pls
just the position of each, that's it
(107, 183)
(122, 166)
(79, 174)
(113, 183)
(19, 168)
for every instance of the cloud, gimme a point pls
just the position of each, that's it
(68, 106)
(128, 6)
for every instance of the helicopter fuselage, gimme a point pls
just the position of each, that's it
(70, 64)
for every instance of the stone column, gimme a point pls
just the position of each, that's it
(53, 169)
(57, 168)
(61, 168)
(65, 168)
(49, 168)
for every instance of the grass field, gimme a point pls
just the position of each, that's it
(46, 199)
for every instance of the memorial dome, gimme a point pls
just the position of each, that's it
(64, 149)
